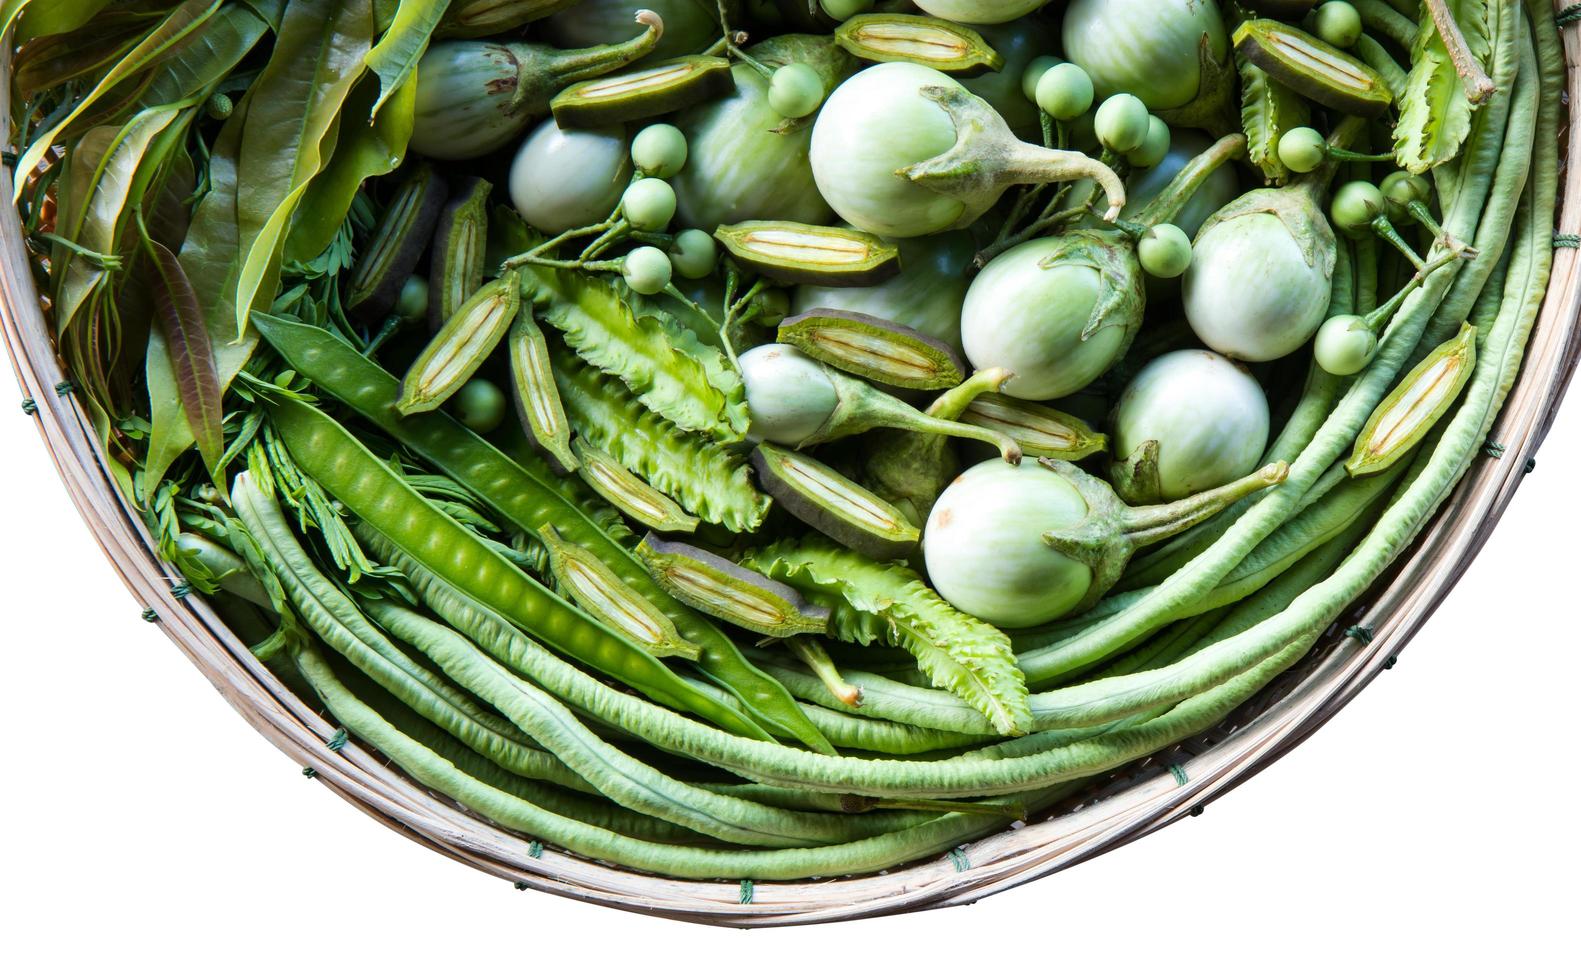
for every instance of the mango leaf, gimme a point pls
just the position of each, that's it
(362, 151)
(873, 601)
(207, 58)
(1269, 109)
(56, 17)
(290, 131)
(174, 29)
(1435, 112)
(9, 11)
(102, 181)
(179, 316)
(210, 257)
(394, 59)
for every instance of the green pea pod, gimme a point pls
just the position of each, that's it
(702, 476)
(400, 239)
(523, 490)
(654, 90)
(627, 491)
(875, 601)
(1409, 413)
(938, 44)
(361, 481)
(873, 348)
(721, 588)
(457, 351)
(535, 395)
(672, 373)
(1313, 68)
(461, 237)
(1040, 431)
(826, 501)
(602, 594)
(813, 255)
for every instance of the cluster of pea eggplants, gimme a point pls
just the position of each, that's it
(896, 416)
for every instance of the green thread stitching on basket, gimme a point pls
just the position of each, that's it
(29, 406)
(8, 158)
(181, 590)
(336, 741)
(746, 891)
(535, 850)
(521, 886)
(960, 860)
(149, 616)
(1179, 772)
(1494, 449)
(65, 388)
(1567, 241)
(310, 772)
(1569, 15)
(1531, 464)
(1362, 633)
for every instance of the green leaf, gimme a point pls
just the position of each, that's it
(174, 29)
(56, 17)
(1268, 111)
(9, 11)
(673, 374)
(394, 59)
(1435, 113)
(362, 151)
(703, 477)
(180, 319)
(291, 129)
(104, 173)
(874, 601)
(207, 58)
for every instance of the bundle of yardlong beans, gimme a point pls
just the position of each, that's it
(606, 628)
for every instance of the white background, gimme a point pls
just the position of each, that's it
(1430, 830)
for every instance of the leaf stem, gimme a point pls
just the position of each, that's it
(1472, 75)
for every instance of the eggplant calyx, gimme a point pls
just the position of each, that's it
(1214, 106)
(1113, 531)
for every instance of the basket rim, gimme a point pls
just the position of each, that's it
(1418, 583)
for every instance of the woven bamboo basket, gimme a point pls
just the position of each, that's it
(1141, 798)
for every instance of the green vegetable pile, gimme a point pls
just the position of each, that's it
(775, 440)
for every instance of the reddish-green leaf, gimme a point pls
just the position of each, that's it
(179, 317)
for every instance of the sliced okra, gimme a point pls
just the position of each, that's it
(938, 44)
(1042, 432)
(725, 590)
(643, 92)
(1410, 411)
(486, 18)
(461, 238)
(873, 348)
(398, 244)
(1313, 68)
(627, 492)
(460, 348)
(814, 255)
(534, 394)
(841, 508)
(607, 597)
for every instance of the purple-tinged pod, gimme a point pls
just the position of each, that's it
(398, 244)
(725, 590)
(826, 501)
(871, 347)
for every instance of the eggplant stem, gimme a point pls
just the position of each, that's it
(1154, 522)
